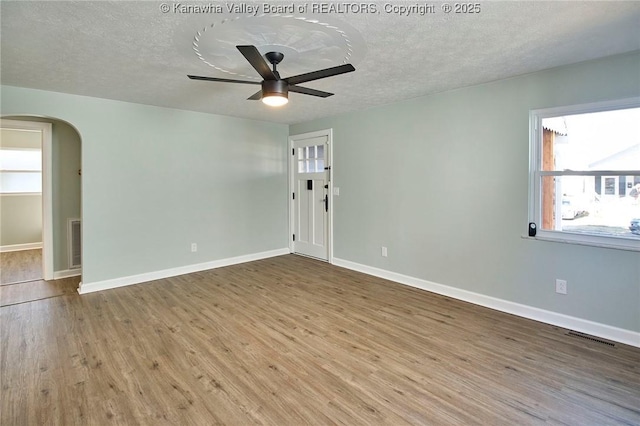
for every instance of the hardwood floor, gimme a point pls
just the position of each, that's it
(30, 291)
(20, 266)
(291, 341)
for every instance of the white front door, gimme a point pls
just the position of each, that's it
(610, 186)
(310, 196)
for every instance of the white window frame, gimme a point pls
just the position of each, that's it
(536, 173)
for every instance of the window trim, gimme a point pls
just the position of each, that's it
(535, 161)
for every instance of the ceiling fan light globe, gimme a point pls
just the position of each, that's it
(275, 100)
(275, 92)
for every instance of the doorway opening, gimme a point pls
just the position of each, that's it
(40, 189)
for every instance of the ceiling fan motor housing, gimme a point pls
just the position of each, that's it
(275, 88)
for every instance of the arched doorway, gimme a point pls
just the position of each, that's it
(60, 192)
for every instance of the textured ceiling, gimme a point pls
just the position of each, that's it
(132, 51)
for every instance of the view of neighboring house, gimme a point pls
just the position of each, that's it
(586, 149)
(617, 186)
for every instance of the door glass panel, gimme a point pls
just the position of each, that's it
(311, 159)
(610, 186)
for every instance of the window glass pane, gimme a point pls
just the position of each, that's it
(606, 140)
(18, 159)
(320, 151)
(301, 167)
(311, 166)
(594, 205)
(320, 165)
(15, 182)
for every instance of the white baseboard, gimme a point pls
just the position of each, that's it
(57, 275)
(627, 337)
(20, 247)
(167, 273)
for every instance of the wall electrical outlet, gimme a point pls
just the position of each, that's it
(561, 286)
(194, 247)
(384, 252)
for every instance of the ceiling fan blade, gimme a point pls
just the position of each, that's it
(315, 75)
(223, 80)
(256, 60)
(256, 96)
(307, 91)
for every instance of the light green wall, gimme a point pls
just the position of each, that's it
(442, 182)
(154, 180)
(66, 153)
(66, 184)
(20, 219)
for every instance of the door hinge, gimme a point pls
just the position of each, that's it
(293, 151)
(294, 195)
(294, 237)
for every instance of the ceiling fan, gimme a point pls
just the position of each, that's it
(275, 90)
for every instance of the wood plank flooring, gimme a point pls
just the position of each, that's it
(20, 266)
(29, 291)
(292, 341)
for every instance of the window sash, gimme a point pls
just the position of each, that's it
(20, 182)
(536, 175)
(588, 173)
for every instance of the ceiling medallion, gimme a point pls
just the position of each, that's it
(307, 44)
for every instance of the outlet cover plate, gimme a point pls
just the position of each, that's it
(561, 286)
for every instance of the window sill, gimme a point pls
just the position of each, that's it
(588, 240)
(2, 194)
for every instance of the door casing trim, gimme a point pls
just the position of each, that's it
(45, 130)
